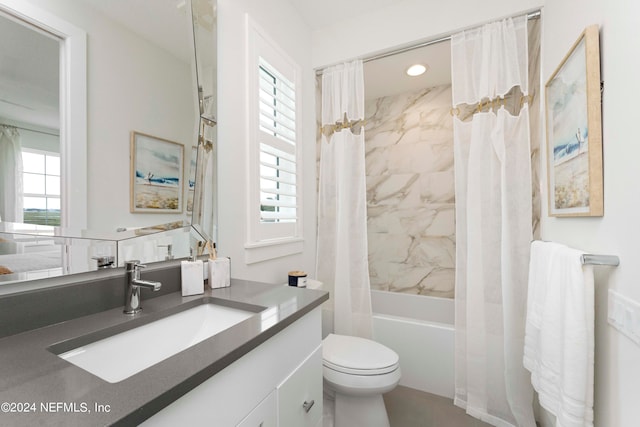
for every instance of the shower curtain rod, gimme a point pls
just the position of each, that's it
(531, 15)
(30, 130)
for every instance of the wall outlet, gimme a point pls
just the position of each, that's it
(624, 314)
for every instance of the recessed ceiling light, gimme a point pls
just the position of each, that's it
(416, 70)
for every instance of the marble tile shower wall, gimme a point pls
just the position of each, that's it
(410, 192)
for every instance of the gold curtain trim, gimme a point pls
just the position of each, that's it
(354, 125)
(492, 104)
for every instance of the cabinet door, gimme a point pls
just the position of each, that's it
(263, 415)
(300, 395)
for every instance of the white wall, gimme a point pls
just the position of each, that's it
(286, 28)
(131, 85)
(617, 358)
(143, 88)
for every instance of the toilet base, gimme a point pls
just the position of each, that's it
(366, 411)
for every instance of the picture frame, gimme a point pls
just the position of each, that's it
(157, 173)
(574, 131)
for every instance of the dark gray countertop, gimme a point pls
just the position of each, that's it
(39, 388)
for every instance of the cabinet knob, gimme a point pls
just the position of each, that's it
(308, 405)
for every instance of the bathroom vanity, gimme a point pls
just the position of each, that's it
(277, 383)
(266, 369)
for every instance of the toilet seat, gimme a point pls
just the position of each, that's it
(357, 356)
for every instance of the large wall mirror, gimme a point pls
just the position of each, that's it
(138, 75)
(204, 19)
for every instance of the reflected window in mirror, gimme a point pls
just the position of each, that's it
(41, 186)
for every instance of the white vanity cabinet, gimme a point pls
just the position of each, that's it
(300, 395)
(263, 415)
(266, 387)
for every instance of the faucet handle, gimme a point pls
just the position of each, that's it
(134, 265)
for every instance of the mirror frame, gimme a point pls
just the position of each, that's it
(206, 141)
(73, 106)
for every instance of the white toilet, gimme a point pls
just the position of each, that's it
(357, 372)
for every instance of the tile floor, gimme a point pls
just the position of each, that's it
(407, 407)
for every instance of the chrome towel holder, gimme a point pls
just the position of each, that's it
(592, 259)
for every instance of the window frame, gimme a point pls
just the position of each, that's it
(268, 240)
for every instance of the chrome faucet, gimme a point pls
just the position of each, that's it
(169, 255)
(132, 287)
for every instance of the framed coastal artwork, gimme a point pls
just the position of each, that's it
(574, 131)
(156, 174)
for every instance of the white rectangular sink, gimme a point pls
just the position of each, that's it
(119, 356)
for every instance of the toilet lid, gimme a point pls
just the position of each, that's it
(357, 355)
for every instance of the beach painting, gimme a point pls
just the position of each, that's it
(156, 174)
(574, 131)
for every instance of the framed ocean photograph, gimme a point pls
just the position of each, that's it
(574, 131)
(156, 174)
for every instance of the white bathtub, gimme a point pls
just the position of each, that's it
(421, 330)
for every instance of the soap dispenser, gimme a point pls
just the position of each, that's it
(192, 274)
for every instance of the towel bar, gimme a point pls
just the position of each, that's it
(600, 259)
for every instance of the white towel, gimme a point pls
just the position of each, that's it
(559, 336)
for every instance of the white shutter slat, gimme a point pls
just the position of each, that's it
(278, 203)
(284, 168)
(285, 92)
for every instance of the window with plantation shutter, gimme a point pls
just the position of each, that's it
(278, 186)
(274, 217)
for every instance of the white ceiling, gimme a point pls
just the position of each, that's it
(320, 14)
(29, 74)
(387, 76)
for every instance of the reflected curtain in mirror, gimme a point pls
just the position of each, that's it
(11, 200)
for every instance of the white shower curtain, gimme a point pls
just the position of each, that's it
(342, 263)
(11, 201)
(493, 225)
